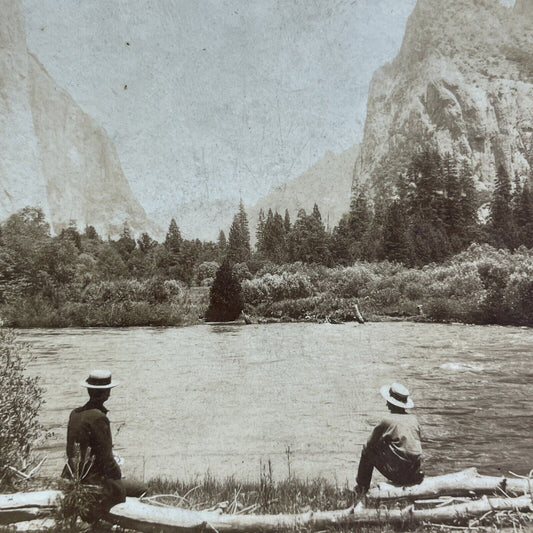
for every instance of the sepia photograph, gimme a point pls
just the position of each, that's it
(266, 266)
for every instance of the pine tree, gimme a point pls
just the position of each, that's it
(395, 242)
(468, 205)
(274, 238)
(451, 208)
(309, 239)
(239, 238)
(341, 242)
(371, 244)
(222, 246)
(360, 215)
(126, 243)
(523, 217)
(225, 298)
(501, 218)
(245, 231)
(173, 239)
(146, 243)
(287, 222)
(260, 231)
(359, 219)
(527, 202)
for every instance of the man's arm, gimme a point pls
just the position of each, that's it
(103, 449)
(376, 435)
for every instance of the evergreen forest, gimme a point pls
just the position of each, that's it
(430, 246)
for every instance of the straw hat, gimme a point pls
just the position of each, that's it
(99, 379)
(398, 395)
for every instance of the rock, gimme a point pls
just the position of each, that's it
(52, 154)
(456, 88)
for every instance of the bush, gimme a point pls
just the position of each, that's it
(225, 298)
(276, 287)
(20, 401)
(241, 272)
(351, 281)
(206, 270)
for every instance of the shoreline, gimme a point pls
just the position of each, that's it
(262, 320)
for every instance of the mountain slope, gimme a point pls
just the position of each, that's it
(462, 83)
(327, 183)
(52, 154)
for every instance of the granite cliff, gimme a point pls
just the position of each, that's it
(52, 154)
(462, 83)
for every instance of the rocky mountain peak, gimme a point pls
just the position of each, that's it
(52, 154)
(462, 83)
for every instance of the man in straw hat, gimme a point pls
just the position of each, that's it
(394, 446)
(90, 446)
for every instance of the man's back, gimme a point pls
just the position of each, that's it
(89, 427)
(402, 433)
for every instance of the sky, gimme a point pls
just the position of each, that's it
(217, 99)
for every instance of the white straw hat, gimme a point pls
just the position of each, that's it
(398, 395)
(99, 379)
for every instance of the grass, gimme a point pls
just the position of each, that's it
(263, 497)
(294, 495)
(267, 496)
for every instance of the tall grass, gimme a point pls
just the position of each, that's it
(263, 496)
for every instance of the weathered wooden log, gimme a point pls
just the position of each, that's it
(24, 506)
(465, 483)
(39, 524)
(150, 519)
(358, 315)
(134, 514)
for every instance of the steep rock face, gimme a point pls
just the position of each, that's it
(462, 83)
(52, 154)
(327, 183)
(21, 179)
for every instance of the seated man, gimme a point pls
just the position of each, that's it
(90, 433)
(394, 446)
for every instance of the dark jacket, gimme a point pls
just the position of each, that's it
(401, 432)
(89, 426)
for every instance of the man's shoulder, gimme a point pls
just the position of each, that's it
(393, 419)
(87, 413)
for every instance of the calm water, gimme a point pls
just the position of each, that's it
(224, 398)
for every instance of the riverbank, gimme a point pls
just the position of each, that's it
(240, 503)
(481, 285)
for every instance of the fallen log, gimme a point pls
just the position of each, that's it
(465, 483)
(25, 506)
(39, 524)
(134, 514)
(358, 315)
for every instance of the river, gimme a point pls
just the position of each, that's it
(228, 398)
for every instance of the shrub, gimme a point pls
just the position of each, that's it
(276, 287)
(350, 281)
(225, 298)
(206, 270)
(20, 401)
(241, 272)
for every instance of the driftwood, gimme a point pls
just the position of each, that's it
(24, 506)
(135, 514)
(39, 524)
(358, 315)
(142, 517)
(465, 483)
